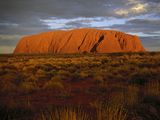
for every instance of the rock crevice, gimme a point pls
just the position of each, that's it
(94, 49)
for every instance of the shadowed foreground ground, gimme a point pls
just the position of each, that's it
(120, 86)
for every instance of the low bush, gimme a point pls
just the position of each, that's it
(98, 79)
(64, 74)
(28, 86)
(55, 84)
(141, 76)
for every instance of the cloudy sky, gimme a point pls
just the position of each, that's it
(23, 17)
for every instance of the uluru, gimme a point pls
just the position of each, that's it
(84, 40)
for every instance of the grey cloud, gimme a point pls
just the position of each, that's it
(151, 43)
(23, 28)
(22, 10)
(27, 13)
(76, 24)
(23, 17)
(58, 8)
(9, 42)
(144, 22)
(139, 25)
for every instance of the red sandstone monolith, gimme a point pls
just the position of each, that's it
(79, 41)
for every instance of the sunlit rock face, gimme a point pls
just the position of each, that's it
(79, 41)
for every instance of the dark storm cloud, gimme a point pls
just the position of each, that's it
(22, 17)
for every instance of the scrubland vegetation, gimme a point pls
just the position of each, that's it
(119, 86)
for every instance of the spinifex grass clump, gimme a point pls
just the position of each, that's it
(98, 111)
(153, 88)
(65, 113)
(109, 111)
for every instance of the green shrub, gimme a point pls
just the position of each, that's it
(31, 78)
(64, 74)
(72, 69)
(10, 79)
(98, 79)
(78, 76)
(55, 83)
(140, 77)
(40, 72)
(105, 60)
(83, 75)
(28, 86)
(2, 72)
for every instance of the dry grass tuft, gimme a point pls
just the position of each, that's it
(110, 111)
(65, 113)
(153, 88)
